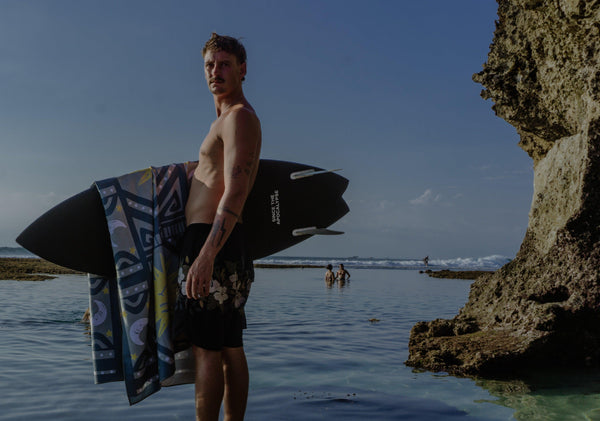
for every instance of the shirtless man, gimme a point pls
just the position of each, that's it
(214, 262)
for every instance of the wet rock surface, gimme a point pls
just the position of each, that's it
(543, 75)
(30, 269)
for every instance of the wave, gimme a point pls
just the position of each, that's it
(492, 262)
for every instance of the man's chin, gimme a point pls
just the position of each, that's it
(216, 90)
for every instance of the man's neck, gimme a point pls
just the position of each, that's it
(224, 103)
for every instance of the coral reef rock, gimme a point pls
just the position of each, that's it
(543, 74)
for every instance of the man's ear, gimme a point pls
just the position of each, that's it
(243, 71)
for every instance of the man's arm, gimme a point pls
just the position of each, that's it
(241, 149)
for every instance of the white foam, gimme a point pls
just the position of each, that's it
(483, 263)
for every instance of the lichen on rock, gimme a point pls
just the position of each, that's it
(543, 74)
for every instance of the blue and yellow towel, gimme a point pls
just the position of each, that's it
(130, 315)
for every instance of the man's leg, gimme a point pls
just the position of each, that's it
(209, 383)
(235, 369)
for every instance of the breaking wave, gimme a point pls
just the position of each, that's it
(464, 263)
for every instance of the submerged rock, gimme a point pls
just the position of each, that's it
(543, 74)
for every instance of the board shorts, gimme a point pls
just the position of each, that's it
(215, 321)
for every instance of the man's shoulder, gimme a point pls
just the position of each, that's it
(240, 119)
(241, 113)
(240, 124)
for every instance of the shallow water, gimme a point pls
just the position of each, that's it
(313, 354)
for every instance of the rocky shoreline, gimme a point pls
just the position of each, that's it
(543, 308)
(30, 269)
(457, 274)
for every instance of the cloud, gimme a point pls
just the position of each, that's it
(384, 205)
(427, 198)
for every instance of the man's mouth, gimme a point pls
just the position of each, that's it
(217, 80)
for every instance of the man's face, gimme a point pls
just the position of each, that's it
(223, 72)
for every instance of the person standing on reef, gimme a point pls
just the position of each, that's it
(215, 267)
(342, 273)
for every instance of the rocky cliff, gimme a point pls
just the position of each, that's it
(543, 75)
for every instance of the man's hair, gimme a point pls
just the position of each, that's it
(224, 43)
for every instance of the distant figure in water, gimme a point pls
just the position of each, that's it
(86, 316)
(329, 275)
(342, 273)
(426, 261)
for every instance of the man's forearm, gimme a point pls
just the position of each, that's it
(227, 215)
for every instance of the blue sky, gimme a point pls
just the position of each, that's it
(383, 89)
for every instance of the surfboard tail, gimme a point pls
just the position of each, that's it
(299, 201)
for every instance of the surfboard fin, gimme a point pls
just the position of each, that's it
(314, 231)
(309, 173)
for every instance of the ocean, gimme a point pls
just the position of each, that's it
(465, 263)
(314, 353)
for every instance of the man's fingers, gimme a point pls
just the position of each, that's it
(204, 288)
(192, 287)
(195, 289)
(188, 287)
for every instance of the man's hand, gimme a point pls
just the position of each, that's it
(197, 282)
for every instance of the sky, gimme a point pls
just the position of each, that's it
(382, 89)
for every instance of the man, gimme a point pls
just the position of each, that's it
(214, 262)
(342, 273)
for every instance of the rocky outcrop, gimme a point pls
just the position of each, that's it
(543, 74)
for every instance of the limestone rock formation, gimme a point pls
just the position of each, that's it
(543, 74)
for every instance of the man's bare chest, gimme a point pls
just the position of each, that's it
(212, 146)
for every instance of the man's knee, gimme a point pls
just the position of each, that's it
(234, 361)
(207, 359)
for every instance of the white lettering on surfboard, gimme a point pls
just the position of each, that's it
(275, 211)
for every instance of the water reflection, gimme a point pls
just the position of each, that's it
(551, 395)
(339, 284)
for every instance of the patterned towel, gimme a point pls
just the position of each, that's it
(130, 315)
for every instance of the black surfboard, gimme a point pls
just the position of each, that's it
(289, 203)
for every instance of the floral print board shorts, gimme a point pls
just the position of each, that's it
(215, 321)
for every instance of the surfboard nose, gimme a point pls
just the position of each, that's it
(65, 235)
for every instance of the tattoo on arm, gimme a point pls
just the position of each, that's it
(218, 233)
(248, 169)
(227, 210)
(236, 172)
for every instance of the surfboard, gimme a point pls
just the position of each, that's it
(289, 203)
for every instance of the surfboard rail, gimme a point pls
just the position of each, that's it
(286, 206)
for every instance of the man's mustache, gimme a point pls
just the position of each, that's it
(216, 79)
